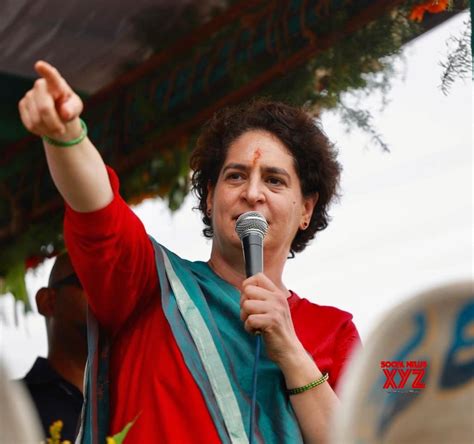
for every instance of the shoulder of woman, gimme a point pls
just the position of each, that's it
(303, 305)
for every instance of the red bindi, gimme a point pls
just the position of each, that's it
(256, 155)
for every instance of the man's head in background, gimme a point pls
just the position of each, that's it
(56, 383)
(64, 306)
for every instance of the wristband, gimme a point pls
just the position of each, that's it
(69, 143)
(309, 386)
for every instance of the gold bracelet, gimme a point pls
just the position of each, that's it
(309, 386)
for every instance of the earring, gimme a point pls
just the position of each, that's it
(305, 225)
(209, 212)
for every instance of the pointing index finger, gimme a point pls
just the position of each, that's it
(56, 84)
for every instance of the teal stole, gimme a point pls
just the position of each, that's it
(203, 312)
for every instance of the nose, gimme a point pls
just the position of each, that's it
(254, 191)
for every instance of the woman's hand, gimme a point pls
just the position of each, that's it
(264, 308)
(51, 108)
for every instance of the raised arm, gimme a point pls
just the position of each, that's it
(52, 109)
(105, 239)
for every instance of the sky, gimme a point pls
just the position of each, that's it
(403, 224)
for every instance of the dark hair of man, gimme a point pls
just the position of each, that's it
(314, 156)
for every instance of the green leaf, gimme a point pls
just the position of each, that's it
(120, 436)
(15, 284)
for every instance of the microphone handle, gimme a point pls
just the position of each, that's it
(253, 254)
(252, 245)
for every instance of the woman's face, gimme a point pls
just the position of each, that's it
(258, 174)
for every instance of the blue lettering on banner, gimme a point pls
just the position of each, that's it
(455, 371)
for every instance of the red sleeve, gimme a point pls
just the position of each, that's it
(113, 257)
(347, 341)
(327, 333)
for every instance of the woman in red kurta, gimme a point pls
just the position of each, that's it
(266, 157)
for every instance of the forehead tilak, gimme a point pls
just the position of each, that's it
(257, 154)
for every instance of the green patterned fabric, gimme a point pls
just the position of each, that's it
(204, 314)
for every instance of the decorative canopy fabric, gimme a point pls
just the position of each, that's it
(151, 72)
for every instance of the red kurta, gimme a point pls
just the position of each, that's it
(114, 260)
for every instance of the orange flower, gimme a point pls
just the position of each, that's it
(433, 6)
(437, 6)
(417, 13)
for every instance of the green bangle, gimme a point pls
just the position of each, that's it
(309, 386)
(72, 142)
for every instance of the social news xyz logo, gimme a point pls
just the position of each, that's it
(403, 376)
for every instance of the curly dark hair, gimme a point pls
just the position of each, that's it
(314, 156)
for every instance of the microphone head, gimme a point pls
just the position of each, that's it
(251, 222)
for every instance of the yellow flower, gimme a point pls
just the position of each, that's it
(110, 440)
(55, 432)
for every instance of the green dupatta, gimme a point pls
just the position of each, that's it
(204, 314)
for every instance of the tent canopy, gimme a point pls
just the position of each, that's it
(152, 71)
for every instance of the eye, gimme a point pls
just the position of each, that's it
(234, 176)
(275, 181)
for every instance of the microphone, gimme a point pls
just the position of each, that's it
(251, 227)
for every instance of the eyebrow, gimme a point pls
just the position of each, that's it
(242, 167)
